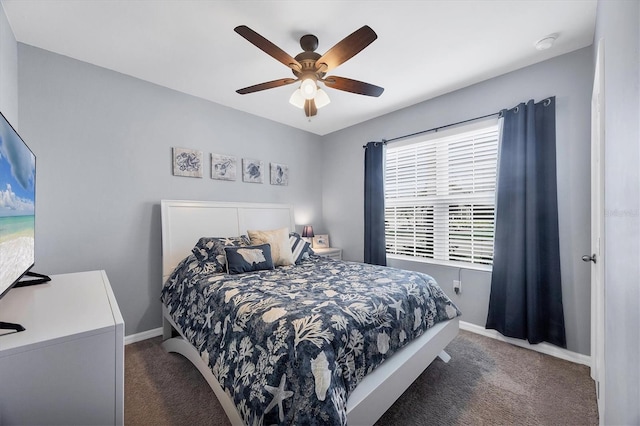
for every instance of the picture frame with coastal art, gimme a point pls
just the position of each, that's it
(321, 241)
(279, 174)
(223, 167)
(252, 170)
(187, 162)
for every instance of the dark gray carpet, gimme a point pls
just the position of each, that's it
(487, 382)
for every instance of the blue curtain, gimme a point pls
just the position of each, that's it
(526, 289)
(374, 242)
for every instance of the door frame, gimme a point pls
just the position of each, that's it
(597, 230)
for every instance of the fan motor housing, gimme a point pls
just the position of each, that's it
(308, 58)
(308, 61)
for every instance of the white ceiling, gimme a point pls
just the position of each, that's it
(424, 48)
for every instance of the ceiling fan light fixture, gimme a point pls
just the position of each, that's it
(308, 88)
(322, 99)
(297, 99)
(309, 67)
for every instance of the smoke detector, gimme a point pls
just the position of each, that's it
(546, 42)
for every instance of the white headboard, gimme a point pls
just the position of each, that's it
(184, 222)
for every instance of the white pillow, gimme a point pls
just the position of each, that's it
(279, 241)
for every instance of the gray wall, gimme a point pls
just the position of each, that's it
(103, 142)
(568, 77)
(112, 135)
(618, 25)
(8, 71)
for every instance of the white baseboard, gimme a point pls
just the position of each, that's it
(544, 348)
(138, 337)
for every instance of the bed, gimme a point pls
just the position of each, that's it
(370, 392)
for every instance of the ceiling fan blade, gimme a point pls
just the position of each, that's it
(346, 49)
(266, 85)
(268, 47)
(310, 108)
(353, 86)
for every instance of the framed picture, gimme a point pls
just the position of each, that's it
(279, 174)
(187, 162)
(252, 170)
(223, 167)
(321, 241)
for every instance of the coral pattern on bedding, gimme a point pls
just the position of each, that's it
(290, 344)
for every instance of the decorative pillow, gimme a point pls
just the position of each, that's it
(211, 250)
(279, 241)
(299, 248)
(248, 258)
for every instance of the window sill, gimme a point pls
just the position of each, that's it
(460, 265)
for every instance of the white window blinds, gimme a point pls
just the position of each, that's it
(440, 196)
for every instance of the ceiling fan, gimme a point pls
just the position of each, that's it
(310, 67)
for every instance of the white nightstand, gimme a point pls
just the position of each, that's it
(331, 252)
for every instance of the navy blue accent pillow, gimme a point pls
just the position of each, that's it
(248, 259)
(211, 250)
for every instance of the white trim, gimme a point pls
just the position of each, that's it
(598, 231)
(138, 337)
(544, 348)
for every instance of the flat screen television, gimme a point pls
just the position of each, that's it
(17, 212)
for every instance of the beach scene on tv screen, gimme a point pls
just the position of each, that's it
(17, 205)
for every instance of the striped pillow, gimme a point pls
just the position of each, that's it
(299, 247)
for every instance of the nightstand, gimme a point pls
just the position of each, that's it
(331, 252)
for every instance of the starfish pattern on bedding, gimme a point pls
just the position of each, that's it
(397, 305)
(208, 316)
(279, 395)
(292, 295)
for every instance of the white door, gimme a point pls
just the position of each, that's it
(595, 258)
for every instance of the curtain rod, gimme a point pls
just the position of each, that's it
(435, 129)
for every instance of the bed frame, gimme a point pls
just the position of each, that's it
(184, 222)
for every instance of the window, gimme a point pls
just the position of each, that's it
(440, 195)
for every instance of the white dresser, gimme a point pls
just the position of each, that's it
(67, 367)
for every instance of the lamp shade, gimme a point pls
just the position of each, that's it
(322, 99)
(297, 99)
(308, 88)
(307, 231)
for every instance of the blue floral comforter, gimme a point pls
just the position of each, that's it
(290, 344)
